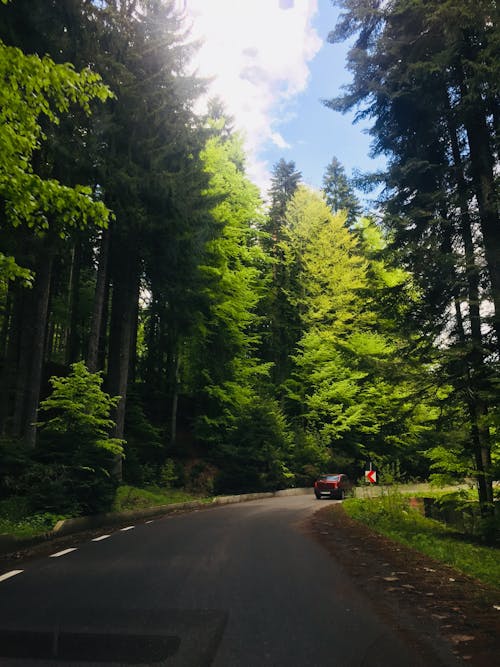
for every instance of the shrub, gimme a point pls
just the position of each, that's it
(74, 463)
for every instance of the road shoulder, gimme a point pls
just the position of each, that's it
(422, 597)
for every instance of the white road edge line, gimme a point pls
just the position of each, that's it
(62, 553)
(10, 574)
(152, 521)
(127, 528)
(102, 537)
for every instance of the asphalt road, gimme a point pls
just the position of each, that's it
(233, 586)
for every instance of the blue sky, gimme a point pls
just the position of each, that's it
(315, 133)
(272, 65)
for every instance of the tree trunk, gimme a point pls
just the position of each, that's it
(22, 364)
(175, 366)
(477, 409)
(39, 326)
(6, 319)
(74, 342)
(124, 308)
(133, 340)
(482, 169)
(11, 359)
(103, 346)
(471, 269)
(99, 300)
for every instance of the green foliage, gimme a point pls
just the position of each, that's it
(144, 451)
(255, 453)
(10, 270)
(348, 383)
(284, 182)
(79, 411)
(309, 458)
(228, 372)
(272, 346)
(168, 474)
(425, 74)
(449, 464)
(14, 459)
(389, 473)
(33, 88)
(76, 454)
(339, 193)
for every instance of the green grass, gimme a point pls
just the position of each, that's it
(133, 498)
(391, 515)
(17, 520)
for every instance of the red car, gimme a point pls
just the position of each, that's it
(334, 485)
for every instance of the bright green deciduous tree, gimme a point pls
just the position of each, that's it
(34, 90)
(349, 378)
(79, 411)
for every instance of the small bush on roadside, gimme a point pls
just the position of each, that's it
(168, 474)
(75, 458)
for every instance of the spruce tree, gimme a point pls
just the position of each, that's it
(339, 193)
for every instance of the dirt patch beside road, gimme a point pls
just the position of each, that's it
(413, 589)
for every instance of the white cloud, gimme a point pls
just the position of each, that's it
(258, 51)
(278, 140)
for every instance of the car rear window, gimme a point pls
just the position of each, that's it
(330, 478)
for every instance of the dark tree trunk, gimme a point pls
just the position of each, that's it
(171, 373)
(99, 305)
(74, 342)
(133, 341)
(39, 326)
(103, 346)
(22, 364)
(123, 311)
(482, 169)
(11, 360)
(6, 319)
(477, 409)
(472, 271)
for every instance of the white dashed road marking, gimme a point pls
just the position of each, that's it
(62, 553)
(152, 521)
(10, 574)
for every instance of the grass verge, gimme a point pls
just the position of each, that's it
(391, 515)
(17, 520)
(133, 498)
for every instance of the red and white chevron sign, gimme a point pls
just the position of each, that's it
(371, 476)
